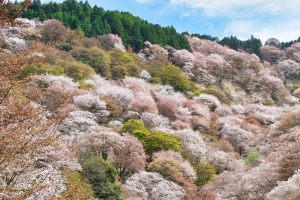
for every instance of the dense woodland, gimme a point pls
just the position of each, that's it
(133, 30)
(87, 118)
(96, 21)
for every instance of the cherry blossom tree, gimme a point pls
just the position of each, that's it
(129, 156)
(122, 96)
(151, 185)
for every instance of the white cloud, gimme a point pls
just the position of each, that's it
(285, 31)
(228, 7)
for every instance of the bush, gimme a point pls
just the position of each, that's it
(102, 176)
(289, 121)
(213, 133)
(119, 72)
(167, 167)
(268, 102)
(76, 70)
(295, 87)
(252, 157)
(152, 141)
(95, 57)
(111, 107)
(158, 141)
(222, 98)
(133, 125)
(77, 187)
(41, 68)
(205, 173)
(167, 107)
(174, 76)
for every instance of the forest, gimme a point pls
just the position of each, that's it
(96, 21)
(89, 118)
(133, 30)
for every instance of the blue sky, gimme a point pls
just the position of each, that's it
(219, 18)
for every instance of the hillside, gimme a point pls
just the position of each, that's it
(97, 121)
(96, 21)
(133, 30)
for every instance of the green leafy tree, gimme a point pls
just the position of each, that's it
(174, 76)
(102, 176)
(76, 70)
(152, 141)
(205, 173)
(252, 157)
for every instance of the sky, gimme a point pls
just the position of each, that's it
(263, 19)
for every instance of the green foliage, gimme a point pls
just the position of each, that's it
(167, 167)
(158, 141)
(222, 98)
(252, 157)
(295, 87)
(268, 102)
(102, 176)
(133, 125)
(77, 187)
(119, 72)
(251, 45)
(111, 107)
(95, 57)
(284, 45)
(205, 173)
(41, 68)
(174, 76)
(76, 70)
(123, 64)
(152, 141)
(206, 37)
(213, 133)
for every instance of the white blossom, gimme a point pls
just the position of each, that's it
(151, 185)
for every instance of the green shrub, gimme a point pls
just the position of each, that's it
(205, 173)
(133, 125)
(252, 157)
(158, 141)
(295, 87)
(222, 98)
(174, 76)
(41, 68)
(102, 176)
(119, 72)
(152, 141)
(76, 70)
(268, 102)
(77, 187)
(167, 167)
(94, 57)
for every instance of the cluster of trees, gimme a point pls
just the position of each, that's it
(96, 21)
(251, 45)
(290, 43)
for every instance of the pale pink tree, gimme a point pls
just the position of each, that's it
(151, 185)
(89, 102)
(289, 68)
(167, 107)
(129, 156)
(143, 103)
(122, 96)
(271, 54)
